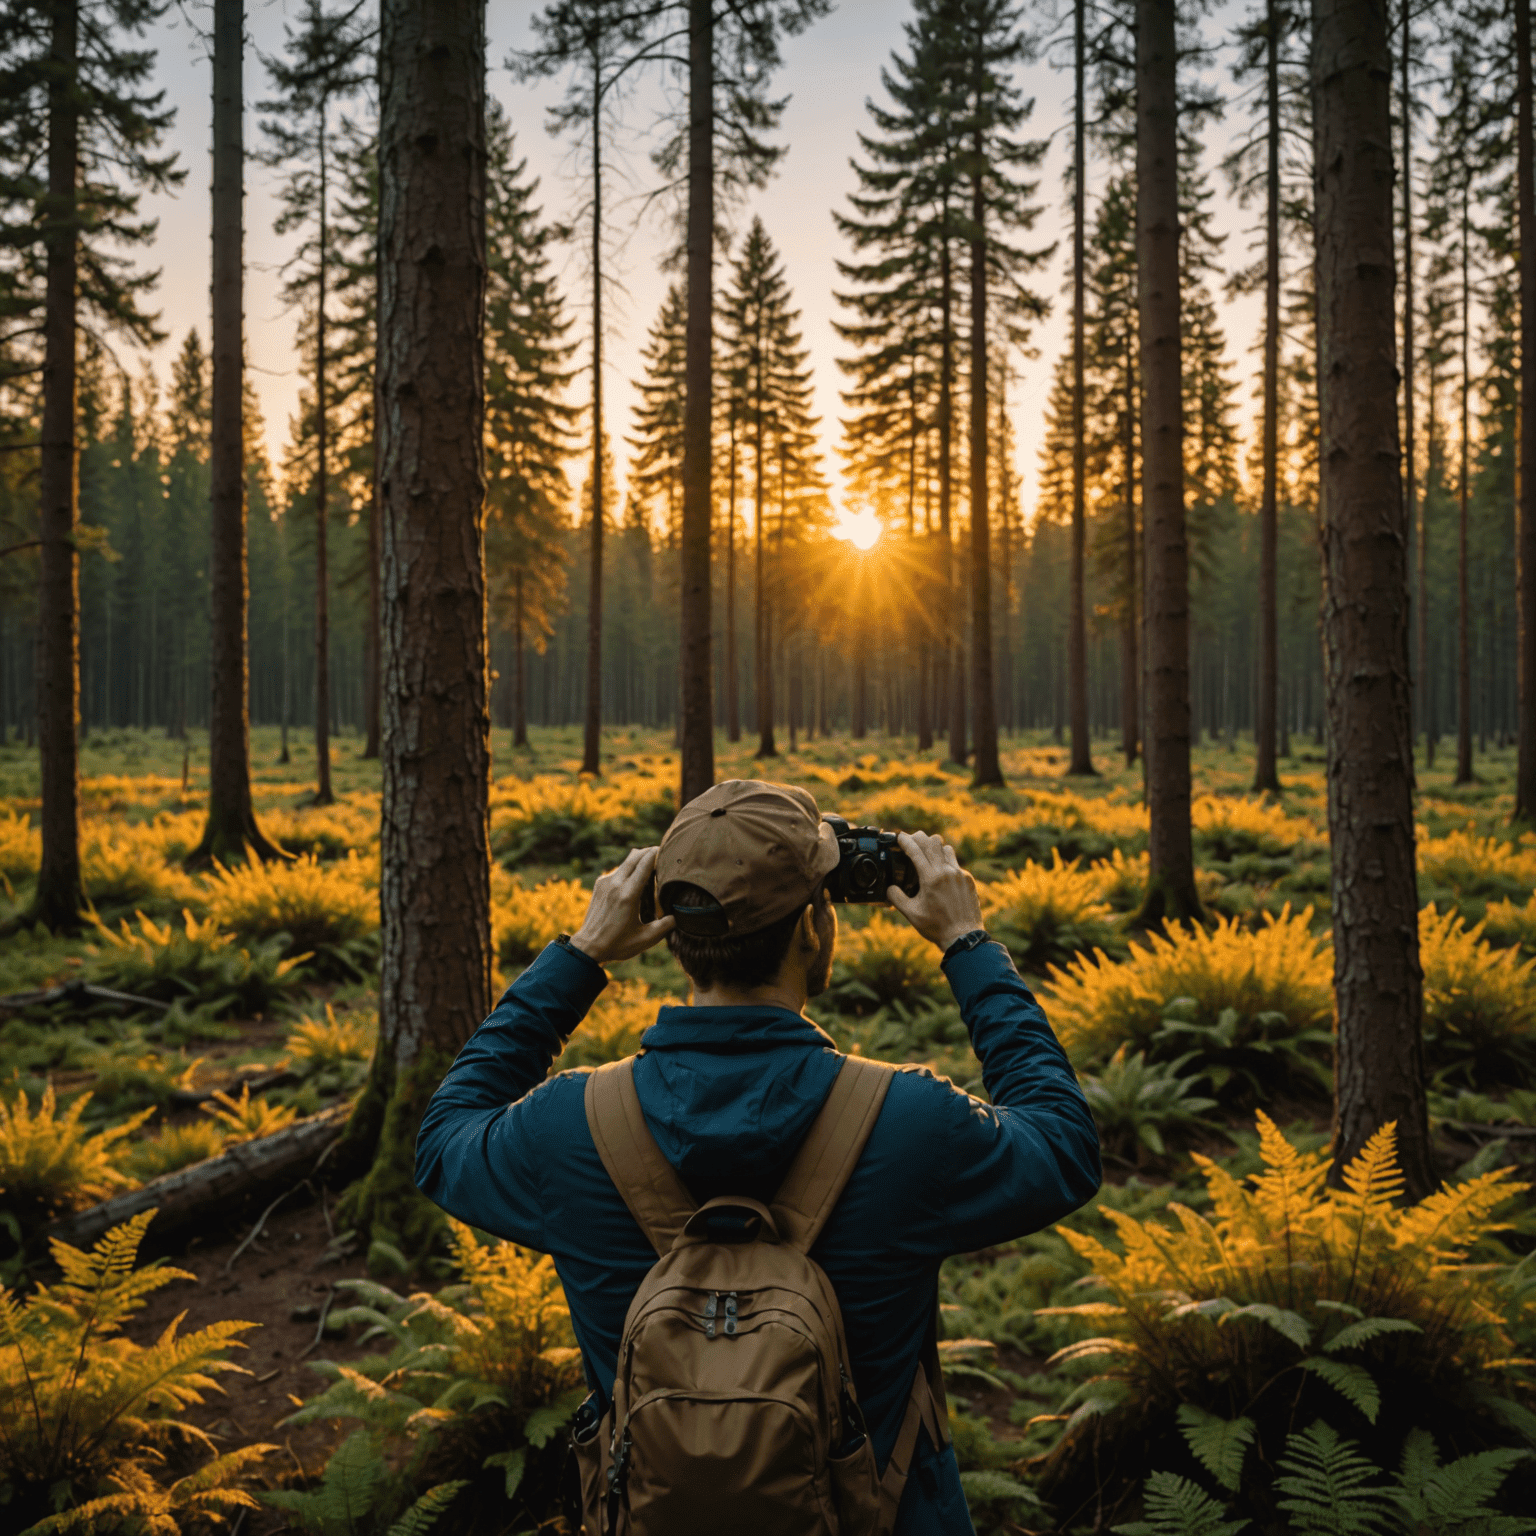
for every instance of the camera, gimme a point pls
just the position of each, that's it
(870, 862)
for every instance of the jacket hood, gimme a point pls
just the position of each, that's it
(729, 1093)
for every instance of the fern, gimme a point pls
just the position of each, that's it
(1353, 1335)
(1454, 1500)
(80, 1403)
(1219, 1445)
(341, 1504)
(1177, 1507)
(422, 1515)
(1325, 1482)
(142, 1505)
(1352, 1382)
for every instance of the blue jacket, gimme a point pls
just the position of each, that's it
(728, 1094)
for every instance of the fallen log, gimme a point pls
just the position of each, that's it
(217, 1185)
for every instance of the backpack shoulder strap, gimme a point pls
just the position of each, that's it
(831, 1150)
(657, 1198)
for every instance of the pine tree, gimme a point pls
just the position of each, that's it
(1378, 983)
(326, 62)
(231, 828)
(656, 471)
(70, 83)
(528, 426)
(763, 348)
(435, 844)
(1264, 43)
(988, 43)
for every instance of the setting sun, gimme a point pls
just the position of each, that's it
(861, 529)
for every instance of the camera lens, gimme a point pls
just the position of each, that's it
(865, 872)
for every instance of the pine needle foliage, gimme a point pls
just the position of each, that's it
(1288, 1298)
(84, 1408)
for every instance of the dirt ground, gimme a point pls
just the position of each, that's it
(282, 1282)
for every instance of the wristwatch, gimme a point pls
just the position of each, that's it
(967, 941)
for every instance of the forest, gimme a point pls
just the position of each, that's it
(1211, 654)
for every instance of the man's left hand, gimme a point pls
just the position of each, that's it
(612, 929)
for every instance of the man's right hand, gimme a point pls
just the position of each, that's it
(946, 906)
(612, 929)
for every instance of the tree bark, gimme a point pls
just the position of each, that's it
(1463, 616)
(1266, 775)
(1130, 622)
(732, 659)
(1171, 893)
(1421, 677)
(231, 826)
(519, 668)
(1525, 552)
(214, 1188)
(323, 792)
(1377, 981)
(591, 752)
(371, 638)
(1081, 761)
(697, 738)
(763, 643)
(952, 657)
(987, 769)
(434, 894)
(59, 895)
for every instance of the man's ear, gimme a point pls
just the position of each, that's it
(809, 938)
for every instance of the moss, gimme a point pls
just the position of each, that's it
(384, 1205)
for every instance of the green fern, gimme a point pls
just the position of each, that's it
(1324, 1478)
(1219, 1445)
(1454, 1500)
(1368, 1328)
(341, 1504)
(422, 1515)
(1177, 1507)
(1353, 1383)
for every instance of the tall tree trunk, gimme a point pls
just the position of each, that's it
(1266, 775)
(1377, 981)
(1005, 607)
(1171, 893)
(698, 714)
(59, 895)
(323, 794)
(231, 826)
(371, 638)
(1410, 479)
(732, 660)
(1081, 761)
(435, 966)
(1525, 552)
(763, 657)
(1130, 620)
(987, 769)
(519, 667)
(591, 752)
(953, 654)
(1463, 617)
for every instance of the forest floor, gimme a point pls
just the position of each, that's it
(241, 1008)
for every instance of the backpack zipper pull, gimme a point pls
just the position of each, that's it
(730, 1312)
(710, 1308)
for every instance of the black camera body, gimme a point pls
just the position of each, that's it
(870, 861)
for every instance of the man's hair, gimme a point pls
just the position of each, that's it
(739, 959)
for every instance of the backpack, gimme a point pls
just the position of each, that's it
(734, 1407)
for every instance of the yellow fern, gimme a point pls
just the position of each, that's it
(315, 904)
(79, 1399)
(245, 1118)
(49, 1164)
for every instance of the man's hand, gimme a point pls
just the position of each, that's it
(946, 906)
(612, 929)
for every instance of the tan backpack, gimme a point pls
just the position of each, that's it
(734, 1409)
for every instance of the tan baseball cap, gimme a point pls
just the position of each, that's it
(760, 850)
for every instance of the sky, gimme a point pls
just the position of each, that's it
(829, 74)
